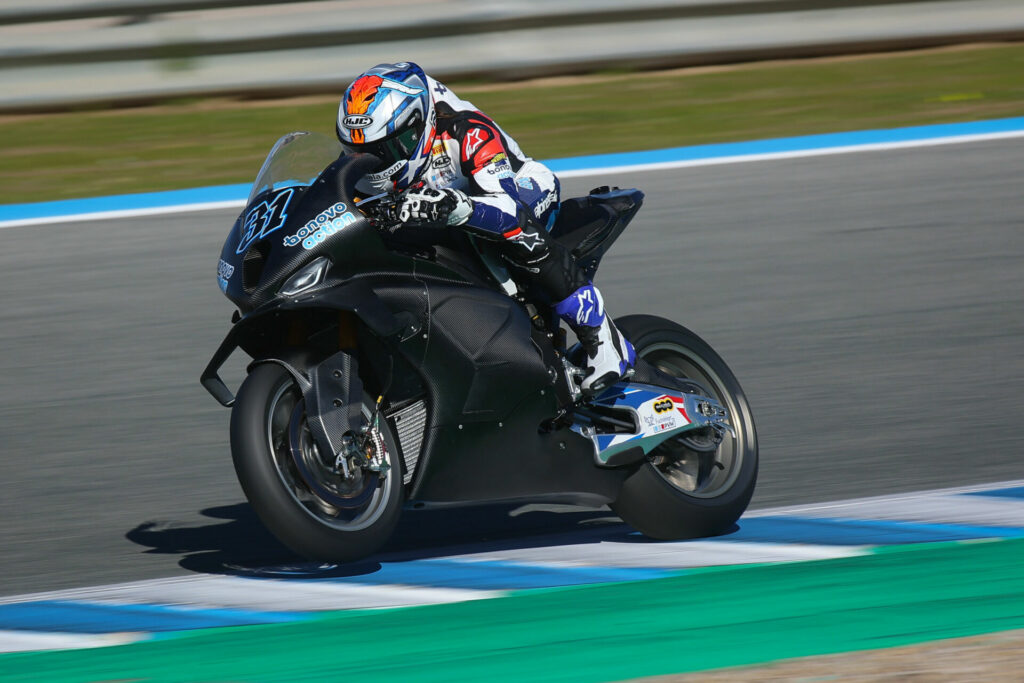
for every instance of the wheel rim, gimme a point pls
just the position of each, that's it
(698, 474)
(312, 484)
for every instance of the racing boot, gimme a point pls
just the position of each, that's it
(610, 356)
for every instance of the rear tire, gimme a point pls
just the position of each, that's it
(680, 492)
(267, 422)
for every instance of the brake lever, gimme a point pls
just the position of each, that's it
(373, 198)
(382, 211)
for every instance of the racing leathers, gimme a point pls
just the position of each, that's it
(479, 179)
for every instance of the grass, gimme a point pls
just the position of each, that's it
(211, 142)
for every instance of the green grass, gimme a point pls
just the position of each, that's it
(210, 142)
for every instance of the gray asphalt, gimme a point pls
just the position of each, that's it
(871, 304)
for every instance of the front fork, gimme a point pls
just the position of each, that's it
(333, 397)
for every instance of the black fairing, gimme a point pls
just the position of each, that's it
(588, 226)
(267, 242)
(427, 326)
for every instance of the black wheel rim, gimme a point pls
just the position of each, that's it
(312, 484)
(701, 474)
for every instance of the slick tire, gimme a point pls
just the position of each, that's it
(260, 448)
(673, 496)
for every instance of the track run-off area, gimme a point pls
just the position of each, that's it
(866, 288)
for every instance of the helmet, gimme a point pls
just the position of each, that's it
(388, 112)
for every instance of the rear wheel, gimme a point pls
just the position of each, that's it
(694, 485)
(298, 492)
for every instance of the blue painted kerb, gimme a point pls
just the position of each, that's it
(225, 193)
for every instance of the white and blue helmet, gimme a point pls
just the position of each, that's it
(388, 112)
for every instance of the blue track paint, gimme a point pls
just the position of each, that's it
(80, 617)
(128, 202)
(230, 193)
(1015, 492)
(824, 531)
(795, 144)
(494, 575)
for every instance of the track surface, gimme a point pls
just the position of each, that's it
(871, 304)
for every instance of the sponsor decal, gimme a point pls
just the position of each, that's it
(585, 306)
(672, 405)
(224, 272)
(500, 169)
(525, 183)
(357, 121)
(530, 240)
(447, 176)
(498, 158)
(385, 174)
(660, 424)
(474, 139)
(264, 218)
(442, 160)
(544, 204)
(320, 228)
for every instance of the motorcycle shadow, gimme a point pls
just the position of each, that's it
(236, 542)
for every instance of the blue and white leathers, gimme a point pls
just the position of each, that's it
(472, 154)
(513, 202)
(610, 356)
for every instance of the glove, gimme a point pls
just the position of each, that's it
(426, 207)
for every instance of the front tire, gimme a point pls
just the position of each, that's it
(315, 512)
(682, 491)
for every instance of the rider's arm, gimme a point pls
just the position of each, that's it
(492, 186)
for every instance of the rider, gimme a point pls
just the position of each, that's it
(455, 166)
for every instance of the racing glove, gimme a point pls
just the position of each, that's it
(426, 207)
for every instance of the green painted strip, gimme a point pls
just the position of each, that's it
(693, 622)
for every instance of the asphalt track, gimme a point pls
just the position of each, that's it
(871, 305)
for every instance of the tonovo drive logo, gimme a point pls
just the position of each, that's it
(357, 121)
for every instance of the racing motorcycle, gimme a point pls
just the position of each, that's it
(390, 371)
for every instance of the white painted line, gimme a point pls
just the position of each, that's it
(677, 555)
(128, 213)
(28, 641)
(270, 595)
(893, 499)
(794, 154)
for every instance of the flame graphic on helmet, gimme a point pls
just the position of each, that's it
(357, 101)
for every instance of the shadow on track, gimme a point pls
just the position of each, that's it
(237, 543)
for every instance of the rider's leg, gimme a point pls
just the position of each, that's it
(609, 354)
(543, 263)
(540, 260)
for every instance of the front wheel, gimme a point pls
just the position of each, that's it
(299, 494)
(689, 488)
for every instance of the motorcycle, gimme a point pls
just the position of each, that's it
(395, 369)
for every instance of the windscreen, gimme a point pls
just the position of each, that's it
(295, 160)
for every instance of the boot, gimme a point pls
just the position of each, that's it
(609, 355)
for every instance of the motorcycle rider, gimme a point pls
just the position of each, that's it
(454, 166)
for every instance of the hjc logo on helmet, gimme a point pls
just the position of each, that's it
(357, 121)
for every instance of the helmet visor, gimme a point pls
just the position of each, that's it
(399, 146)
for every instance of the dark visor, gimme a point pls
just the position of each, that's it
(399, 146)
